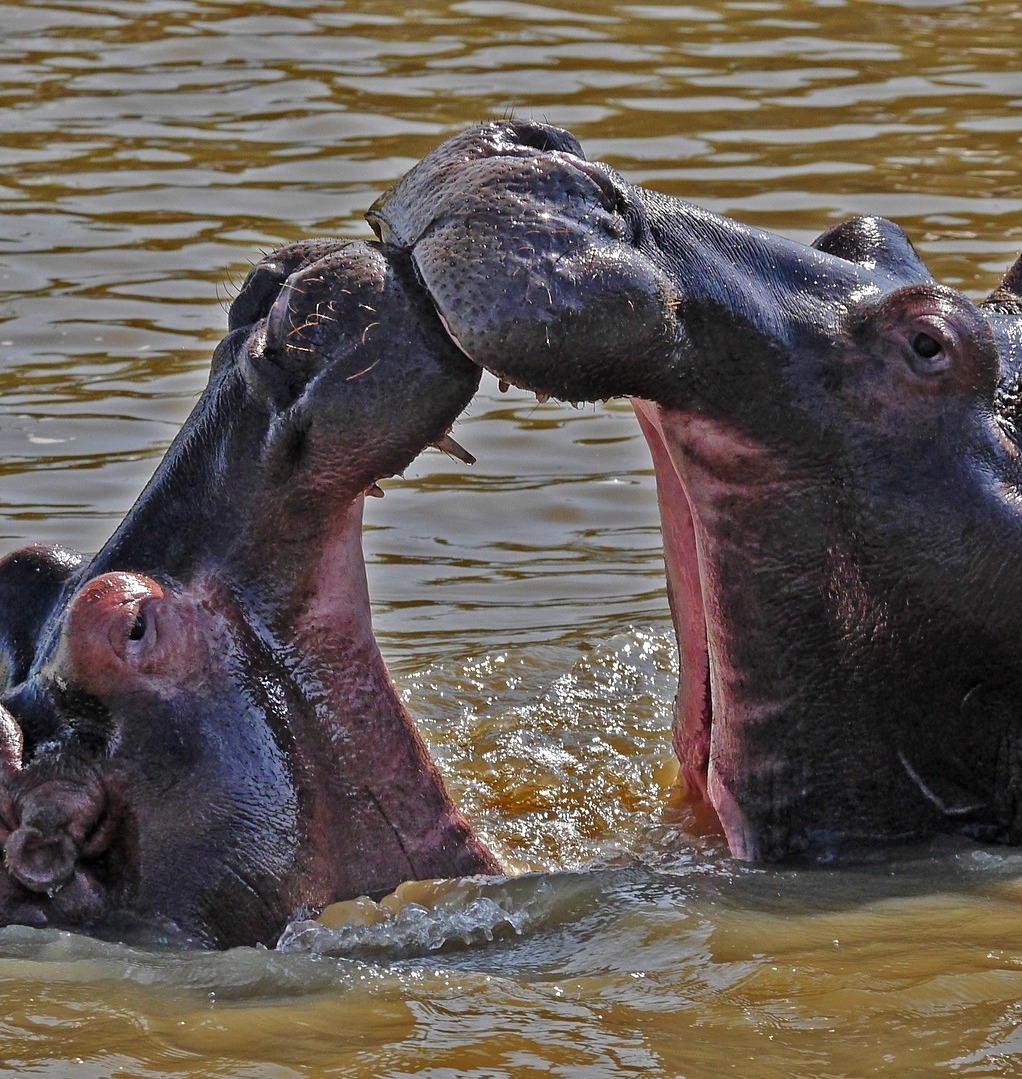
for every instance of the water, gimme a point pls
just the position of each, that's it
(150, 151)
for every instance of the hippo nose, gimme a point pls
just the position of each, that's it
(545, 138)
(41, 862)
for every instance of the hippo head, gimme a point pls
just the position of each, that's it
(198, 735)
(837, 453)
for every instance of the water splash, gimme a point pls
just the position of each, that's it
(424, 917)
(560, 756)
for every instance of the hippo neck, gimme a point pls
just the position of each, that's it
(397, 804)
(212, 467)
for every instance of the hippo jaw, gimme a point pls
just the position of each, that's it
(819, 576)
(206, 739)
(837, 577)
(836, 472)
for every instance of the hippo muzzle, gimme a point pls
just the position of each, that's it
(836, 447)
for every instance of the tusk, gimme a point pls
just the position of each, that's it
(447, 445)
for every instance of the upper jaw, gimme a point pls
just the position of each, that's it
(359, 374)
(535, 261)
(405, 213)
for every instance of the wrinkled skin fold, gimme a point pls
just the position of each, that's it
(835, 437)
(199, 739)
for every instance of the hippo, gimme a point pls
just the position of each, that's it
(836, 442)
(199, 738)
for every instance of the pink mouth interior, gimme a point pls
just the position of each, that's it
(693, 708)
(699, 730)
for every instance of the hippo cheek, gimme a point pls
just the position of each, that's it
(215, 813)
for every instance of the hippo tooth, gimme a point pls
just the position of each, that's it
(447, 445)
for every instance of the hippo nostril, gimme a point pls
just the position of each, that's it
(258, 293)
(42, 863)
(545, 138)
(265, 280)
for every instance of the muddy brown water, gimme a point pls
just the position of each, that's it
(149, 151)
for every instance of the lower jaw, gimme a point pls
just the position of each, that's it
(742, 840)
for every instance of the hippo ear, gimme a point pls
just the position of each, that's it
(32, 581)
(877, 244)
(1008, 294)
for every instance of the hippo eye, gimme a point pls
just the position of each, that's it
(929, 355)
(925, 346)
(137, 631)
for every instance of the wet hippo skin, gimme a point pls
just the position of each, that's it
(199, 738)
(836, 444)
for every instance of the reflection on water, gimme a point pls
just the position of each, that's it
(150, 152)
(695, 969)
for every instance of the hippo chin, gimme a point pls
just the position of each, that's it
(837, 451)
(198, 734)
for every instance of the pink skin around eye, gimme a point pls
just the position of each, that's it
(102, 647)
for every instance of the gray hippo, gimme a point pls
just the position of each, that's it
(838, 464)
(199, 739)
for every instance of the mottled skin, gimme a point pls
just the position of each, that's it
(199, 737)
(838, 471)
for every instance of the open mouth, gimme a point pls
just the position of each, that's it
(709, 688)
(693, 707)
